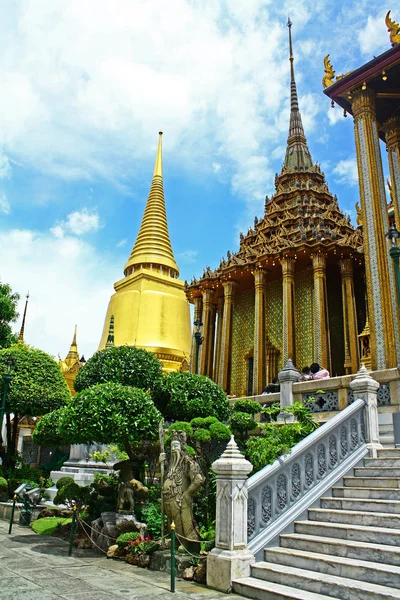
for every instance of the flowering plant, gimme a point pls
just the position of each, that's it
(142, 546)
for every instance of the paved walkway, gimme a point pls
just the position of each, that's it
(34, 567)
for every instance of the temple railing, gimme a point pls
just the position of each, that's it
(280, 492)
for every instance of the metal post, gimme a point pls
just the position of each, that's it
(395, 254)
(172, 557)
(12, 514)
(197, 339)
(71, 535)
(162, 475)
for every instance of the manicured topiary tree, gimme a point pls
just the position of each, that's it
(104, 413)
(122, 364)
(37, 387)
(184, 396)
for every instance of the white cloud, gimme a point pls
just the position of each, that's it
(374, 37)
(121, 243)
(69, 283)
(346, 172)
(5, 167)
(77, 223)
(187, 256)
(83, 221)
(86, 87)
(5, 207)
(216, 167)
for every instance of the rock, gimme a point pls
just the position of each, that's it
(111, 552)
(128, 523)
(84, 543)
(188, 573)
(140, 560)
(200, 573)
(48, 512)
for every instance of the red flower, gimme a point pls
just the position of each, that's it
(148, 539)
(140, 538)
(136, 543)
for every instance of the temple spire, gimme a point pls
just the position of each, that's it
(153, 246)
(22, 330)
(297, 153)
(73, 351)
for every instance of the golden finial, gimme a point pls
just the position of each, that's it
(327, 79)
(22, 330)
(393, 29)
(158, 165)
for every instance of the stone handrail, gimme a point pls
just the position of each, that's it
(282, 491)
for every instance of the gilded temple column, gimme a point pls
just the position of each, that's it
(322, 346)
(392, 131)
(289, 350)
(351, 360)
(198, 310)
(210, 369)
(226, 343)
(208, 342)
(259, 367)
(220, 312)
(380, 277)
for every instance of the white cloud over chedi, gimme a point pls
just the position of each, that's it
(346, 172)
(69, 283)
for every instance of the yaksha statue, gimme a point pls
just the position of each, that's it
(183, 480)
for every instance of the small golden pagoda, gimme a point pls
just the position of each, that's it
(149, 308)
(71, 365)
(289, 291)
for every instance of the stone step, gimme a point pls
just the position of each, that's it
(250, 587)
(353, 568)
(377, 472)
(354, 517)
(389, 453)
(369, 482)
(357, 533)
(322, 583)
(345, 548)
(363, 504)
(360, 492)
(390, 461)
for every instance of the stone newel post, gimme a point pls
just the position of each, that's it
(364, 386)
(287, 377)
(230, 559)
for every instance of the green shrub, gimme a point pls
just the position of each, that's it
(126, 365)
(3, 484)
(242, 423)
(202, 435)
(124, 539)
(64, 481)
(219, 431)
(181, 426)
(151, 515)
(185, 396)
(246, 406)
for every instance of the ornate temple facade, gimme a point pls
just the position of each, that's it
(371, 94)
(149, 308)
(71, 365)
(295, 287)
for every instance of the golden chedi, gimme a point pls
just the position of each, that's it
(71, 365)
(149, 308)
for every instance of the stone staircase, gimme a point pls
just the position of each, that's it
(349, 548)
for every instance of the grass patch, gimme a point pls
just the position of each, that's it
(48, 525)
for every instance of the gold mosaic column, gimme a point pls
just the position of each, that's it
(259, 367)
(224, 372)
(392, 131)
(380, 278)
(351, 360)
(206, 357)
(289, 351)
(211, 350)
(220, 311)
(322, 347)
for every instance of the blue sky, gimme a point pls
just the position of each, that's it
(86, 86)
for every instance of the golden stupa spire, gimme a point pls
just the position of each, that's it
(297, 153)
(22, 330)
(153, 246)
(73, 355)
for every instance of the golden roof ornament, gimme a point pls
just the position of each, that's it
(327, 79)
(22, 330)
(393, 29)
